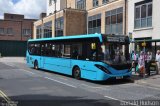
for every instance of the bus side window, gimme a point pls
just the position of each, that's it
(34, 49)
(42, 50)
(67, 50)
(31, 48)
(76, 51)
(37, 49)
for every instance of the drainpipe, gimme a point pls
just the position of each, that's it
(125, 22)
(55, 18)
(86, 15)
(42, 29)
(87, 21)
(21, 30)
(66, 3)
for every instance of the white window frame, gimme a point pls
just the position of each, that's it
(140, 6)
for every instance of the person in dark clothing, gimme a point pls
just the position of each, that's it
(75, 53)
(148, 62)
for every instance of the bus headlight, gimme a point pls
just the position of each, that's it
(102, 68)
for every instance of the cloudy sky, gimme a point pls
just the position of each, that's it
(30, 8)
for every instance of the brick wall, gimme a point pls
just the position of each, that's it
(27, 24)
(8, 16)
(17, 27)
(75, 22)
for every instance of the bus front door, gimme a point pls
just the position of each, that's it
(42, 56)
(42, 62)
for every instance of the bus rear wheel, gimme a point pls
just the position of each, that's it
(77, 73)
(36, 65)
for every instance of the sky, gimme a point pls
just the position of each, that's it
(29, 8)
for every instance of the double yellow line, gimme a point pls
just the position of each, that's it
(5, 97)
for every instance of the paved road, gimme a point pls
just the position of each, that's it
(29, 87)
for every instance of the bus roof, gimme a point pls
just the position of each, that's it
(70, 37)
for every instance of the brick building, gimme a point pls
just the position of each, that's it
(16, 27)
(86, 17)
(15, 30)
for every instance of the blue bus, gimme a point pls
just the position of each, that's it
(95, 57)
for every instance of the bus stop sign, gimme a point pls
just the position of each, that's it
(144, 44)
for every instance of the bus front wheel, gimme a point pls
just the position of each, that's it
(77, 73)
(36, 65)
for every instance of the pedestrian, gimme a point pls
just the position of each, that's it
(134, 59)
(141, 63)
(148, 62)
(158, 60)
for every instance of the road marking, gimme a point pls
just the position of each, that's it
(6, 98)
(27, 71)
(124, 102)
(111, 98)
(4, 95)
(9, 64)
(86, 85)
(60, 82)
(63, 78)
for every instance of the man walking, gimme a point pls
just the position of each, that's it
(158, 60)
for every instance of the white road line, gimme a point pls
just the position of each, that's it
(63, 78)
(123, 102)
(86, 85)
(9, 64)
(111, 98)
(27, 71)
(60, 82)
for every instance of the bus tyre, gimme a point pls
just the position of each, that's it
(77, 73)
(36, 65)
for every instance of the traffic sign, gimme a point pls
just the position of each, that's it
(144, 44)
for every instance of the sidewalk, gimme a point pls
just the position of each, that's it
(152, 81)
(13, 59)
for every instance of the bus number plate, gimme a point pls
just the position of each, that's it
(121, 77)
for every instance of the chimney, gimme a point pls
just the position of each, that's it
(42, 15)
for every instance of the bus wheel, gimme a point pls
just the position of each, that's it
(76, 73)
(36, 65)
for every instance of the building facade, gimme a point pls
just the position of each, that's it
(99, 16)
(143, 19)
(16, 27)
(107, 16)
(65, 22)
(57, 5)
